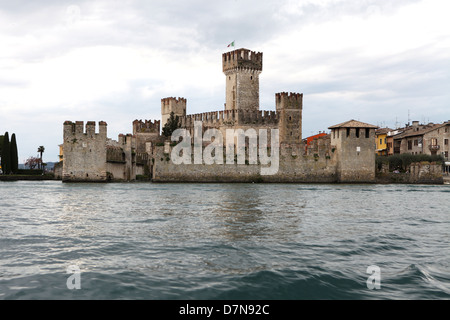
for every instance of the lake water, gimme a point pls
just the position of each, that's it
(223, 241)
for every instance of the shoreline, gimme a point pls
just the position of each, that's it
(26, 178)
(445, 181)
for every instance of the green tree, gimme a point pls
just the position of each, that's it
(171, 125)
(41, 150)
(14, 157)
(6, 155)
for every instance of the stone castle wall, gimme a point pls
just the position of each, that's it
(91, 156)
(84, 152)
(418, 173)
(296, 164)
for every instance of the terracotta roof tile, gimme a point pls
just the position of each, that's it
(353, 124)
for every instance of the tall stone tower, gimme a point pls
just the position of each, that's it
(242, 68)
(289, 107)
(354, 142)
(171, 104)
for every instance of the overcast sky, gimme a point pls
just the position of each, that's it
(372, 60)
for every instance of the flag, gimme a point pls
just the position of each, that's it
(231, 45)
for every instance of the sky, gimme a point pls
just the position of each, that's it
(380, 62)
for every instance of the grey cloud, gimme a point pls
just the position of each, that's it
(386, 86)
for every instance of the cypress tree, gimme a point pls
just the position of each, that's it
(14, 155)
(6, 155)
(171, 125)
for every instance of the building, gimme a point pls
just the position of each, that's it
(381, 137)
(61, 152)
(347, 156)
(430, 139)
(309, 140)
(390, 143)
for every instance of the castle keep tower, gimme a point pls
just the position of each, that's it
(242, 68)
(289, 107)
(177, 105)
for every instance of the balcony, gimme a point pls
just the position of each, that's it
(434, 148)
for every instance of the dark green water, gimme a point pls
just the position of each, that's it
(223, 241)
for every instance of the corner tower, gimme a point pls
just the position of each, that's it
(354, 142)
(289, 107)
(242, 68)
(171, 104)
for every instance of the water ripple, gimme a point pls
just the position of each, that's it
(223, 241)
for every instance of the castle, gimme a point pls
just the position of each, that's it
(347, 154)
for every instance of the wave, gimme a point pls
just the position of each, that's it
(418, 282)
(313, 283)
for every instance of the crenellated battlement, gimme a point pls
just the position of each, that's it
(127, 139)
(231, 117)
(172, 104)
(146, 126)
(257, 117)
(289, 100)
(167, 101)
(77, 129)
(242, 59)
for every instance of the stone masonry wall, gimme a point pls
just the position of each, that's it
(294, 166)
(84, 152)
(356, 155)
(418, 173)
